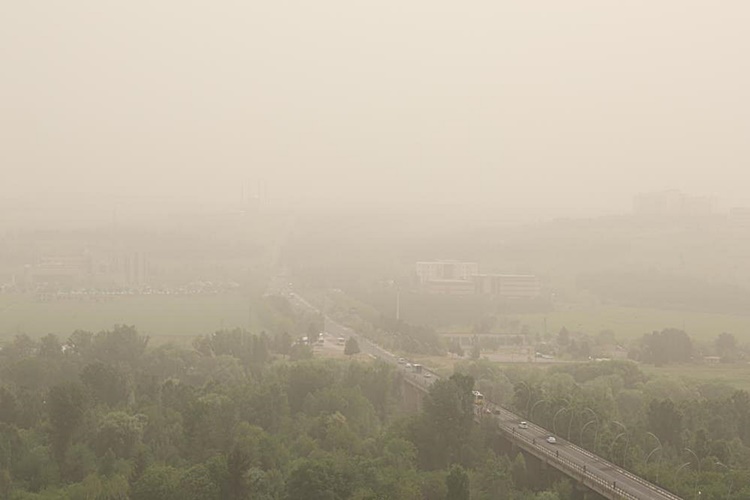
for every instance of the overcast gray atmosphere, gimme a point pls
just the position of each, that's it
(359, 250)
(557, 107)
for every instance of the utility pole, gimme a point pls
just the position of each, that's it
(398, 303)
(249, 317)
(325, 303)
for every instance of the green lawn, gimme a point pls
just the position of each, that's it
(154, 315)
(629, 323)
(736, 375)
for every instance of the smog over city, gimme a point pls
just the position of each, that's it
(374, 250)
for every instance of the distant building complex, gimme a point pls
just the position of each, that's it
(673, 203)
(507, 285)
(463, 278)
(85, 269)
(740, 217)
(442, 270)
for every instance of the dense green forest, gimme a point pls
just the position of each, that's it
(237, 415)
(234, 416)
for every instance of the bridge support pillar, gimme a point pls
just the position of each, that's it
(411, 397)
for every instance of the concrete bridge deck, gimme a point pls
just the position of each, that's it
(596, 473)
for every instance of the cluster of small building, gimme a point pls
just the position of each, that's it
(46, 292)
(463, 278)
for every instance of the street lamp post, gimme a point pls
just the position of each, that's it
(584, 428)
(612, 444)
(554, 420)
(627, 440)
(570, 422)
(658, 448)
(698, 462)
(531, 413)
(677, 472)
(731, 478)
(598, 425)
(528, 395)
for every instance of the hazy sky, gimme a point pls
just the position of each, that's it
(543, 105)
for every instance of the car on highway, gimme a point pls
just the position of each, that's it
(523, 425)
(401, 361)
(551, 440)
(427, 374)
(408, 365)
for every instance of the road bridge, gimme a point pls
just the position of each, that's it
(607, 479)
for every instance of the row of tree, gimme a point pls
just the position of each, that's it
(689, 437)
(234, 416)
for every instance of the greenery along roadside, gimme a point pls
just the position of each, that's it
(687, 436)
(239, 415)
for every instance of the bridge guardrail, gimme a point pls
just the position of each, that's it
(571, 465)
(561, 461)
(588, 473)
(630, 475)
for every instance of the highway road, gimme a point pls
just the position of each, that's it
(595, 472)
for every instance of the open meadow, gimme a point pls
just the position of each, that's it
(457, 313)
(629, 323)
(736, 375)
(162, 317)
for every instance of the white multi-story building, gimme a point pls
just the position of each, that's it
(439, 270)
(462, 278)
(512, 286)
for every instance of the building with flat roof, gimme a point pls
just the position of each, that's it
(438, 270)
(450, 287)
(740, 217)
(512, 286)
(673, 203)
(447, 276)
(463, 278)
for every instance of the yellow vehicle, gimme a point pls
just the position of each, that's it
(478, 398)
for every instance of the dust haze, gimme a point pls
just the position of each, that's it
(398, 249)
(542, 108)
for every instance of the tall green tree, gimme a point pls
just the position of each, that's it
(159, 482)
(66, 404)
(196, 483)
(105, 383)
(665, 419)
(726, 346)
(312, 479)
(457, 483)
(446, 422)
(351, 347)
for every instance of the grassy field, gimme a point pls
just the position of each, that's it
(449, 313)
(630, 323)
(155, 315)
(736, 375)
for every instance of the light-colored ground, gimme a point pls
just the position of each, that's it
(735, 375)
(155, 315)
(630, 323)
